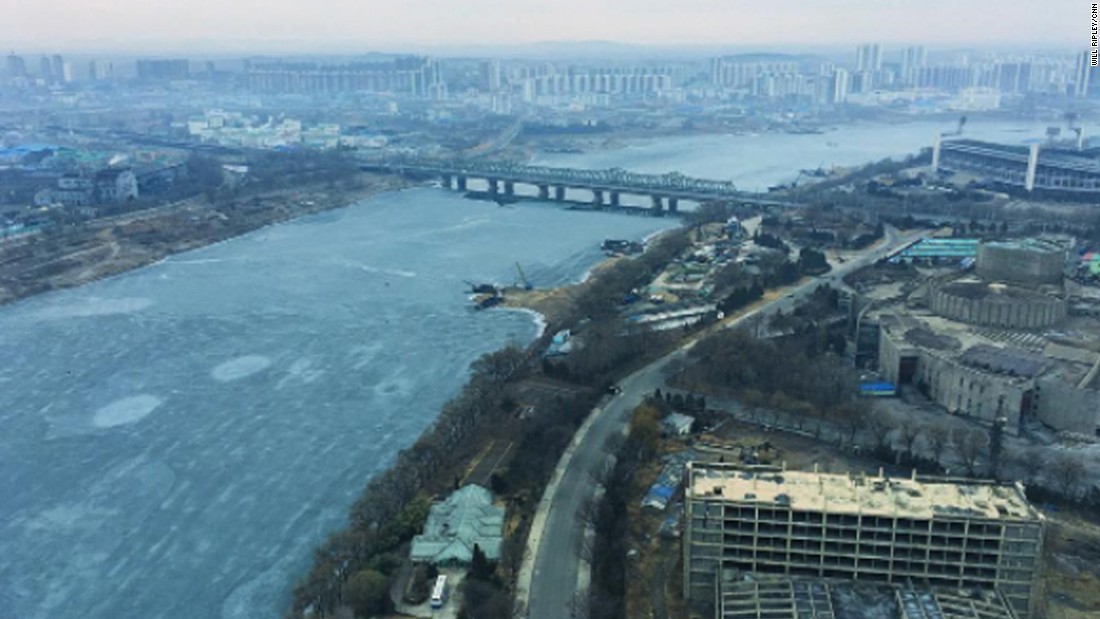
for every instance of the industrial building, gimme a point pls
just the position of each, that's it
(1030, 167)
(938, 533)
(106, 186)
(991, 342)
(977, 301)
(1032, 262)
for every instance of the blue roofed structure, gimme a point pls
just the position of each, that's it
(949, 249)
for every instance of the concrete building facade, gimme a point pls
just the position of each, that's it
(940, 533)
(977, 302)
(1030, 262)
(109, 186)
(1028, 167)
(982, 382)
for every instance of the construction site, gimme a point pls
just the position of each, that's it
(941, 533)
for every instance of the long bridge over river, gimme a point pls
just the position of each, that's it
(606, 186)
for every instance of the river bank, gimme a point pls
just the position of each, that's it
(501, 404)
(73, 255)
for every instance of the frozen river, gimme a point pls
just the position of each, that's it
(177, 439)
(755, 161)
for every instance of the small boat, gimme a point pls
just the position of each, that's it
(483, 288)
(485, 301)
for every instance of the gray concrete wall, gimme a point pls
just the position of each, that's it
(994, 311)
(972, 393)
(1066, 408)
(1020, 265)
(890, 352)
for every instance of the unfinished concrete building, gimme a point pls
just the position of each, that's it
(781, 597)
(936, 533)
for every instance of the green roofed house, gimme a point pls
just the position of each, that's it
(454, 526)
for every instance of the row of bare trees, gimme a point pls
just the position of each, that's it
(796, 382)
(980, 452)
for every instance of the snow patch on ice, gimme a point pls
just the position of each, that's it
(365, 355)
(302, 371)
(95, 306)
(236, 369)
(382, 271)
(125, 411)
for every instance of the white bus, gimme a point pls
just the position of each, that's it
(439, 592)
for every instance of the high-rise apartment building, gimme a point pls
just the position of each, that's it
(961, 534)
(869, 57)
(738, 72)
(838, 87)
(45, 69)
(912, 59)
(492, 78)
(17, 67)
(1086, 78)
(1013, 77)
(406, 75)
(60, 75)
(99, 70)
(163, 70)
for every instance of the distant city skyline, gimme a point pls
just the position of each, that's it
(208, 27)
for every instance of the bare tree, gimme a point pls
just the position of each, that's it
(1066, 470)
(614, 444)
(881, 426)
(601, 471)
(971, 445)
(588, 547)
(937, 436)
(588, 511)
(579, 607)
(853, 419)
(909, 432)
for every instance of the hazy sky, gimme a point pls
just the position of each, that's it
(213, 26)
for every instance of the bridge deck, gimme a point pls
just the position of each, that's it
(614, 180)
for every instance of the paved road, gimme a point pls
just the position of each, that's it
(556, 552)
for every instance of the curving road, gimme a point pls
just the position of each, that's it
(554, 544)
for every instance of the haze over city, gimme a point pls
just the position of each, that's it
(204, 27)
(587, 309)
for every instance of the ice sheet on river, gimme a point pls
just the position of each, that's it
(177, 439)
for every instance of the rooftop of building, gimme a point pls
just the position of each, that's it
(110, 174)
(1029, 244)
(973, 287)
(1084, 160)
(920, 498)
(454, 526)
(1005, 352)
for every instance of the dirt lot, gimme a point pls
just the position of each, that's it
(554, 304)
(1073, 566)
